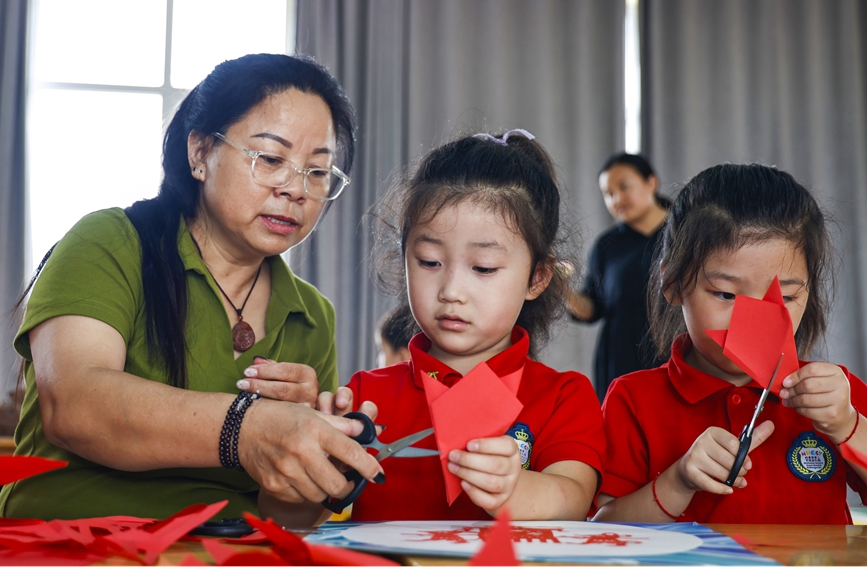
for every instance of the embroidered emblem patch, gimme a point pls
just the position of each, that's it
(810, 458)
(520, 432)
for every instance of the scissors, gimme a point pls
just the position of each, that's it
(367, 438)
(746, 437)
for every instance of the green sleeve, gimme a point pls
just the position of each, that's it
(94, 271)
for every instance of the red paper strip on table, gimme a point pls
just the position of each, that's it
(499, 547)
(760, 331)
(479, 405)
(298, 552)
(17, 467)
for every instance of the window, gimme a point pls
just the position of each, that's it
(632, 78)
(105, 76)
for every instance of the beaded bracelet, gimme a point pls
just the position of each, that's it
(232, 429)
(854, 429)
(658, 503)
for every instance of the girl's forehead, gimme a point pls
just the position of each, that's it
(757, 259)
(466, 208)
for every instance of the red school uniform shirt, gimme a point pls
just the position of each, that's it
(652, 417)
(561, 421)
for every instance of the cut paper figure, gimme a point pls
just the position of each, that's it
(759, 331)
(479, 405)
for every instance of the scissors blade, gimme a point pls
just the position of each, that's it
(396, 446)
(760, 406)
(411, 452)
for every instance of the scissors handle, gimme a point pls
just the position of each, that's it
(368, 434)
(746, 440)
(366, 437)
(337, 506)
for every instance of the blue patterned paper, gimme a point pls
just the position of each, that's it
(715, 548)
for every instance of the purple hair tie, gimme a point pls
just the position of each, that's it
(504, 140)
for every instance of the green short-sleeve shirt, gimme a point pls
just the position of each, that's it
(95, 271)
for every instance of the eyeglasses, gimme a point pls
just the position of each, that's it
(273, 170)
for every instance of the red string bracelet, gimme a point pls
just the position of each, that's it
(854, 429)
(658, 503)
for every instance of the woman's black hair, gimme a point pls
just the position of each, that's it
(516, 180)
(641, 166)
(722, 209)
(223, 98)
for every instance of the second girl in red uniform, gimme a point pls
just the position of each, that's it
(672, 431)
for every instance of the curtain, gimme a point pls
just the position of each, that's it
(13, 35)
(782, 82)
(420, 73)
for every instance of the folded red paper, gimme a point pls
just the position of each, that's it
(479, 405)
(760, 331)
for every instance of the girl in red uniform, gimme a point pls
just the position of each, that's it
(673, 431)
(475, 229)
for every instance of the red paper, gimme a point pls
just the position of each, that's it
(225, 555)
(190, 560)
(499, 548)
(288, 546)
(760, 331)
(479, 405)
(330, 555)
(13, 468)
(167, 532)
(295, 551)
(853, 456)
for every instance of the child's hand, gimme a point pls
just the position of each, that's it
(820, 391)
(707, 464)
(340, 403)
(489, 469)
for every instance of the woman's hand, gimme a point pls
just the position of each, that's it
(286, 381)
(820, 391)
(286, 449)
(489, 470)
(707, 464)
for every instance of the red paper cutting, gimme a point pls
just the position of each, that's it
(288, 546)
(499, 548)
(167, 531)
(295, 551)
(225, 555)
(17, 467)
(190, 560)
(759, 331)
(479, 405)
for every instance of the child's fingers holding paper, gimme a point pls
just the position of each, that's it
(820, 391)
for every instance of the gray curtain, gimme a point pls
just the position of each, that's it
(13, 36)
(422, 72)
(782, 82)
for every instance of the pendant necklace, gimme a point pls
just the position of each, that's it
(243, 336)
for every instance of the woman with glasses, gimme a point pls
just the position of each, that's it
(171, 357)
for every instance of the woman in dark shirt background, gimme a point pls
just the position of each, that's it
(615, 283)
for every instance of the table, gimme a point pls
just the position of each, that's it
(786, 544)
